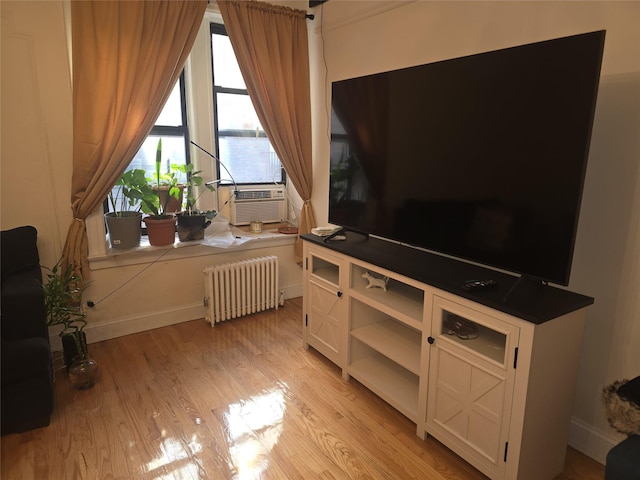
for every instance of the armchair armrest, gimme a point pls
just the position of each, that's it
(23, 312)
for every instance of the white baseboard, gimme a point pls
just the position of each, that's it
(293, 291)
(97, 332)
(590, 441)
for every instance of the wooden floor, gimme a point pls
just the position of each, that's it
(243, 400)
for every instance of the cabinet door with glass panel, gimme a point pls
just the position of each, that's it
(471, 379)
(324, 304)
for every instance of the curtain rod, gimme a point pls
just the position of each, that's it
(310, 16)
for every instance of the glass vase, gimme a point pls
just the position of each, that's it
(82, 372)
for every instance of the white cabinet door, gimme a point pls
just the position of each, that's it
(324, 310)
(471, 377)
(324, 318)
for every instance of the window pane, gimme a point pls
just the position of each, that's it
(235, 112)
(249, 159)
(226, 72)
(171, 114)
(243, 147)
(172, 152)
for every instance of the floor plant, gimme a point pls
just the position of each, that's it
(63, 291)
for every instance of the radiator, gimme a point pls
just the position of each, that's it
(241, 288)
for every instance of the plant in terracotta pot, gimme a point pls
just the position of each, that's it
(192, 222)
(169, 188)
(63, 292)
(124, 221)
(161, 225)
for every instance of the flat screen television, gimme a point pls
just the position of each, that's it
(482, 158)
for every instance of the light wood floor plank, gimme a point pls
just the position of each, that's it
(243, 400)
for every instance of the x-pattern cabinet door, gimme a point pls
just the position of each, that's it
(325, 305)
(471, 379)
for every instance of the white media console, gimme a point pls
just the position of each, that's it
(501, 398)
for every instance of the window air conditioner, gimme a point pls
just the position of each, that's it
(267, 206)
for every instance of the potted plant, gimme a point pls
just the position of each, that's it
(192, 222)
(161, 225)
(124, 222)
(63, 292)
(168, 188)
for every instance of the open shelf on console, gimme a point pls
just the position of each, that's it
(393, 339)
(399, 296)
(391, 382)
(384, 355)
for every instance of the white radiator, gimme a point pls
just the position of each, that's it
(241, 288)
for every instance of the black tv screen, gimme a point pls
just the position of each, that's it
(482, 157)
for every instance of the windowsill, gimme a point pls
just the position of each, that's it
(223, 240)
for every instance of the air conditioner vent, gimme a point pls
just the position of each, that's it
(267, 205)
(258, 194)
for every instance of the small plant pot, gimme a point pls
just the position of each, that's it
(125, 229)
(173, 205)
(161, 231)
(192, 227)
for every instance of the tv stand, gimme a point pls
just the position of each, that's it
(344, 230)
(485, 395)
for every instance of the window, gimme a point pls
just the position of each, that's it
(241, 143)
(171, 126)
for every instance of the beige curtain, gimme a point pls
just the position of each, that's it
(127, 56)
(270, 43)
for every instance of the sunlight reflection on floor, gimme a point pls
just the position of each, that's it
(253, 428)
(175, 452)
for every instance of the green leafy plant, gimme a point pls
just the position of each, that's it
(170, 179)
(63, 292)
(128, 192)
(193, 185)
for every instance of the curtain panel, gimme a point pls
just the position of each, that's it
(126, 58)
(271, 45)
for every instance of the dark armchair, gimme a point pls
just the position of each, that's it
(27, 375)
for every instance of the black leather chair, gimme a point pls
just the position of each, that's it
(27, 373)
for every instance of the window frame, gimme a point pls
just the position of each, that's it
(169, 131)
(181, 130)
(219, 29)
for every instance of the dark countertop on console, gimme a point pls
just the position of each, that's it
(534, 302)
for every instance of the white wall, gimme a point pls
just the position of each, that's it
(351, 38)
(36, 164)
(36, 123)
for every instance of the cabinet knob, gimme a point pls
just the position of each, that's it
(339, 294)
(431, 340)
